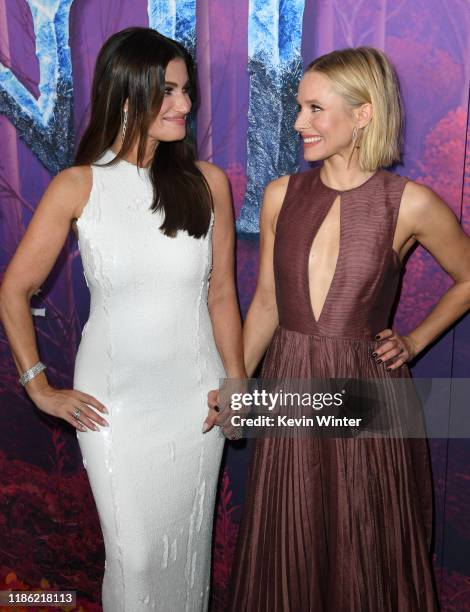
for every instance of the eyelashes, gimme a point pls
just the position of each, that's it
(313, 107)
(170, 90)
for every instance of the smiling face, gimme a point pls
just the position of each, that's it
(170, 123)
(324, 121)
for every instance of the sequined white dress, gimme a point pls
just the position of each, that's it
(148, 354)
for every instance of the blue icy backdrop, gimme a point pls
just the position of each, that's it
(250, 57)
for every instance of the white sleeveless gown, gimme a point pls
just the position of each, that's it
(148, 354)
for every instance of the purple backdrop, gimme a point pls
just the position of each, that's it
(49, 529)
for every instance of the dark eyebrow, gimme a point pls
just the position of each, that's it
(176, 84)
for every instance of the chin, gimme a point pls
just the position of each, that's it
(171, 136)
(312, 157)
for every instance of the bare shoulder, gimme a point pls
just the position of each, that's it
(275, 190)
(421, 206)
(220, 189)
(419, 199)
(214, 175)
(274, 195)
(71, 189)
(76, 177)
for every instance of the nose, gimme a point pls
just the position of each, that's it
(302, 121)
(299, 124)
(183, 103)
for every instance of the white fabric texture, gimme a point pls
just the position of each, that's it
(148, 353)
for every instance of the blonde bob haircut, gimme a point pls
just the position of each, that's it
(365, 75)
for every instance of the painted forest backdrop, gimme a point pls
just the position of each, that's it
(250, 56)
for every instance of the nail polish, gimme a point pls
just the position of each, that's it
(379, 361)
(374, 354)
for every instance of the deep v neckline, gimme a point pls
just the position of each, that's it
(316, 229)
(333, 193)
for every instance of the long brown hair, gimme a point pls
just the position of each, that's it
(131, 66)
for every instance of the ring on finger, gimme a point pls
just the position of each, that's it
(76, 414)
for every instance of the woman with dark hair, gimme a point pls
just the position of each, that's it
(334, 523)
(154, 226)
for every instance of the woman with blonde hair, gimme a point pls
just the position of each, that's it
(343, 523)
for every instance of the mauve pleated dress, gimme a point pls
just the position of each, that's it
(340, 524)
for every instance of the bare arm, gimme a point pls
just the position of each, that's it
(262, 317)
(29, 267)
(430, 221)
(222, 299)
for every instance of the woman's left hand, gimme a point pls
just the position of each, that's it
(212, 415)
(220, 415)
(394, 350)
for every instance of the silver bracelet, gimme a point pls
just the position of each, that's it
(31, 372)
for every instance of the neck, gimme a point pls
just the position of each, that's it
(338, 174)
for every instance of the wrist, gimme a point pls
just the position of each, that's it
(31, 372)
(36, 385)
(239, 373)
(414, 347)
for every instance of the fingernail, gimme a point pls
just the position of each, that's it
(377, 337)
(95, 428)
(379, 361)
(374, 354)
(205, 427)
(104, 423)
(105, 410)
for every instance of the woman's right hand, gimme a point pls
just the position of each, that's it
(63, 402)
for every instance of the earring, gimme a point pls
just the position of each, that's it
(124, 125)
(354, 137)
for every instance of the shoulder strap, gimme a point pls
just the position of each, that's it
(394, 184)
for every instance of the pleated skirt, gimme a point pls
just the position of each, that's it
(334, 524)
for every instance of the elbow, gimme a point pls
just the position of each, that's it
(3, 297)
(468, 296)
(221, 299)
(465, 291)
(8, 295)
(266, 300)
